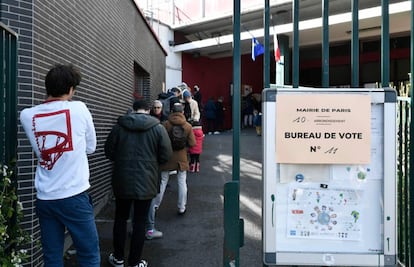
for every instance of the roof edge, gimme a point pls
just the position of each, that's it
(149, 27)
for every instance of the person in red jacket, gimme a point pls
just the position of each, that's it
(196, 150)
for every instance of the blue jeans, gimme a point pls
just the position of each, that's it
(76, 215)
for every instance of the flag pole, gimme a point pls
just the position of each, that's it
(266, 59)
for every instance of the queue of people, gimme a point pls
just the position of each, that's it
(173, 142)
(146, 142)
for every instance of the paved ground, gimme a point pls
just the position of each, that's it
(196, 239)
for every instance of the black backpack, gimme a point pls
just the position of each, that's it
(178, 137)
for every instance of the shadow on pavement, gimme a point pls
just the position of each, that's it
(196, 239)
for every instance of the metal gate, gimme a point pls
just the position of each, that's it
(405, 151)
(8, 93)
(405, 133)
(405, 128)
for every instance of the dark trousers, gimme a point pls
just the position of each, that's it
(211, 125)
(194, 158)
(122, 212)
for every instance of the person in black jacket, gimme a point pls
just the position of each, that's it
(137, 144)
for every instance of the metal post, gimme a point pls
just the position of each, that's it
(266, 59)
(295, 51)
(355, 44)
(173, 12)
(325, 43)
(385, 44)
(233, 226)
(236, 90)
(411, 170)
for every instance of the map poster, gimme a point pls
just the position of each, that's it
(323, 213)
(323, 128)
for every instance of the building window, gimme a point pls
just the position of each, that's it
(142, 82)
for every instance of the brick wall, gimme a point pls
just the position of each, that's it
(105, 39)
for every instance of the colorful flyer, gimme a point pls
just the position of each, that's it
(318, 212)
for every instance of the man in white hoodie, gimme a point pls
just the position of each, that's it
(62, 133)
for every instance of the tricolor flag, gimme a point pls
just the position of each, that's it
(277, 50)
(257, 48)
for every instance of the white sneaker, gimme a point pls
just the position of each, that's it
(114, 262)
(181, 211)
(153, 234)
(216, 132)
(142, 263)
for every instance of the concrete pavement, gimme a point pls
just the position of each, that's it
(196, 239)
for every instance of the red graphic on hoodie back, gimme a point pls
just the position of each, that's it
(53, 135)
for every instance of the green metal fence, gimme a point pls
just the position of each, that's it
(8, 111)
(8, 93)
(403, 120)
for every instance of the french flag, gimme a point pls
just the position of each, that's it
(277, 50)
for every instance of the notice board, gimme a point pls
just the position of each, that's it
(329, 177)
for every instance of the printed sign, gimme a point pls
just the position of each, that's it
(323, 128)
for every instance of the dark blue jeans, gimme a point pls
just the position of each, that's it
(122, 212)
(76, 215)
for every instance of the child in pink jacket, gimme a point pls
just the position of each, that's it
(196, 150)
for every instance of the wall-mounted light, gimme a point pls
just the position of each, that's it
(196, 54)
(375, 28)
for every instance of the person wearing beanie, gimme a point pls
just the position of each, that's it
(187, 94)
(191, 111)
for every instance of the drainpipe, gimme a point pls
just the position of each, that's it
(203, 8)
(173, 12)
